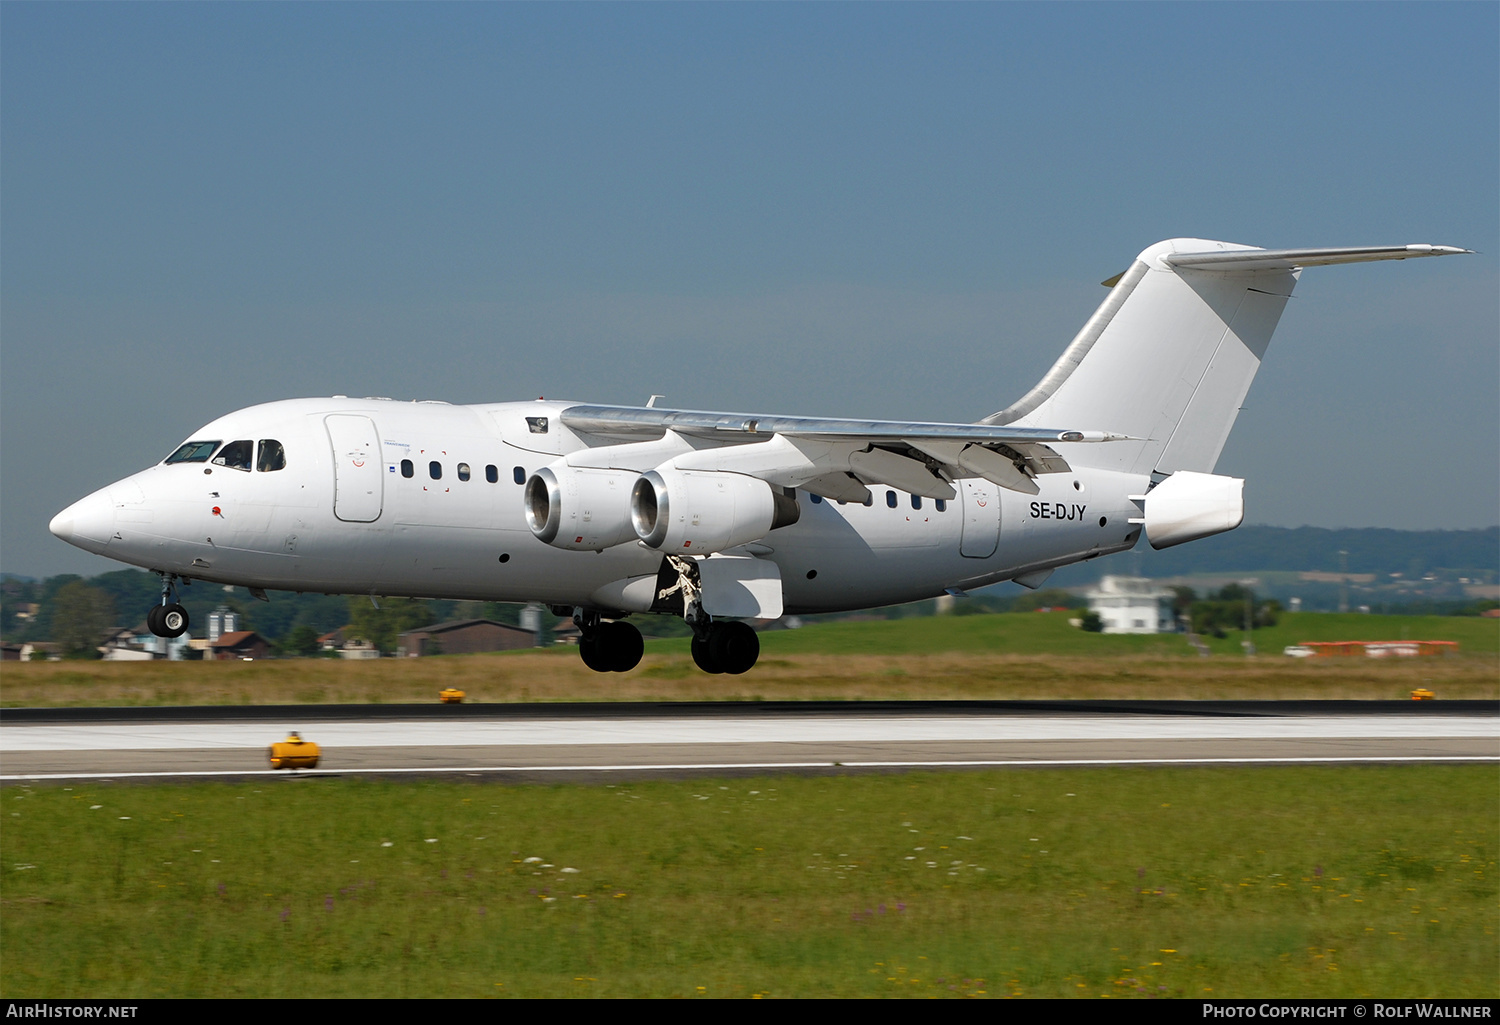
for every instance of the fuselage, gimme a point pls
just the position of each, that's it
(425, 499)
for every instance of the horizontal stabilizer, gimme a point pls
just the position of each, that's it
(1287, 259)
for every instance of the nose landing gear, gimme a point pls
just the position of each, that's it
(169, 619)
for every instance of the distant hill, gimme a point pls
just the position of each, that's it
(1316, 549)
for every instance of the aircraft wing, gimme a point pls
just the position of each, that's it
(919, 457)
(646, 421)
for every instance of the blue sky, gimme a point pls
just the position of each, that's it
(882, 210)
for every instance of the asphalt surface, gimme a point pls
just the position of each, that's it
(662, 740)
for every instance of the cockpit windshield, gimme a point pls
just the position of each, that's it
(272, 456)
(235, 455)
(193, 452)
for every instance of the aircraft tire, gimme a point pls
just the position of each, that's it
(174, 620)
(703, 657)
(153, 621)
(623, 646)
(594, 653)
(734, 646)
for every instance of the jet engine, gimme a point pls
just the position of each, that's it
(687, 512)
(578, 508)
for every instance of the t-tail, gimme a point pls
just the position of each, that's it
(1169, 356)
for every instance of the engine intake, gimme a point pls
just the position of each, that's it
(688, 512)
(579, 509)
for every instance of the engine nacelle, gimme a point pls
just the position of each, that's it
(1188, 505)
(578, 508)
(690, 512)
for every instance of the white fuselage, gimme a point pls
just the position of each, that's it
(342, 516)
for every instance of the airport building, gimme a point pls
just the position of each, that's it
(1133, 605)
(464, 637)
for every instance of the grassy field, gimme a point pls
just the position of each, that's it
(1008, 656)
(1296, 882)
(1048, 633)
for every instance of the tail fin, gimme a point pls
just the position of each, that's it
(1169, 356)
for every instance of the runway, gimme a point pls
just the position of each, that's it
(553, 742)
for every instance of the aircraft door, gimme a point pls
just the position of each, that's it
(981, 535)
(358, 483)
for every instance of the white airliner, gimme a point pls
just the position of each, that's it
(602, 512)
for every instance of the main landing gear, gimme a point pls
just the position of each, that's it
(721, 646)
(608, 647)
(168, 619)
(725, 648)
(718, 647)
(616, 647)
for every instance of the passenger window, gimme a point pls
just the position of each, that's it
(869, 500)
(492, 473)
(463, 471)
(941, 504)
(435, 470)
(235, 455)
(890, 499)
(193, 452)
(272, 456)
(407, 469)
(916, 501)
(816, 499)
(518, 475)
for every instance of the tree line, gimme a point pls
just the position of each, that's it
(77, 613)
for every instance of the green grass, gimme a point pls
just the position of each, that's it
(1297, 882)
(1048, 633)
(1001, 656)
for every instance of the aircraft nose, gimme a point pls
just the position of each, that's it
(88, 523)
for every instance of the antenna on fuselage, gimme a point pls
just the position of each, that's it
(651, 402)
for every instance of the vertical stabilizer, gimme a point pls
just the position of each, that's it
(1167, 359)
(1169, 356)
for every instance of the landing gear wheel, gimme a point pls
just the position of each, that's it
(734, 647)
(593, 653)
(623, 646)
(703, 658)
(153, 621)
(173, 620)
(614, 648)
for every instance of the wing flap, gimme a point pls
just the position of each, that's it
(902, 472)
(837, 487)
